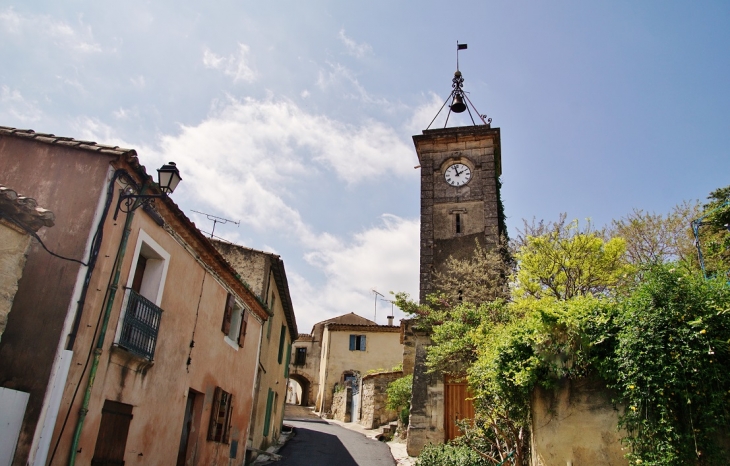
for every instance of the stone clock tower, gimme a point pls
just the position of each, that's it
(460, 168)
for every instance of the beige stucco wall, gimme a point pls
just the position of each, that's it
(576, 423)
(159, 391)
(382, 351)
(373, 398)
(13, 245)
(272, 375)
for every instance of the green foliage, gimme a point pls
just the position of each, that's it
(450, 455)
(668, 351)
(399, 393)
(714, 234)
(567, 261)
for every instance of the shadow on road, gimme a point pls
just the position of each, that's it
(310, 447)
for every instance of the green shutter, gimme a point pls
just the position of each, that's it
(267, 420)
(288, 360)
(282, 337)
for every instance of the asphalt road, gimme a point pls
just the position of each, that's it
(318, 443)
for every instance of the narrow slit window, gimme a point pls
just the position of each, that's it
(458, 223)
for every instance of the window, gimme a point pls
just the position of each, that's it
(301, 357)
(139, 323)
(271, 318)
(458, 223)
(219, 429)
(288, 360)
(235, 321)
(113, 430)
(282, 337)
(357, 342)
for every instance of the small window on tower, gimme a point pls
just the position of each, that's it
(458, 223)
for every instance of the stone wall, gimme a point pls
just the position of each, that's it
(341, 405)
(373, 399)
(13, 244)
(426, 422)
(575, 423)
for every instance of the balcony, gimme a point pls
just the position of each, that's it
(141, 325)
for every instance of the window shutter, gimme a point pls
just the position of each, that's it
(214, 409)
(113, 431)
(227, 422)
(362, 343)
(267, 420)
(244, 325)
(228, 315)
(281, 343)
(288, 360)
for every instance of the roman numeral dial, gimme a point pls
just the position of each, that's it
(457, 174)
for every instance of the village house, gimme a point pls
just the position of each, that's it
(338, 353)
(136, 342)
(265, 276)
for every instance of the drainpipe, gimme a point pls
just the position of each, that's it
(102, 334)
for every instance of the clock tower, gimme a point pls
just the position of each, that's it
(460, 205)
(460, 169)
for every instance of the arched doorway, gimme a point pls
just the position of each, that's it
(299, 389)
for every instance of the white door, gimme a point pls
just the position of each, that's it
(12, 409)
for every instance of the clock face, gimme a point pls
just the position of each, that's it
(457, 174)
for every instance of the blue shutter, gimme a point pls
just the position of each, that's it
(353, 342)
(362, 343)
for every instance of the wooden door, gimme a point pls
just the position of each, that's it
(457, 405)
(112, 438)
(187, 428)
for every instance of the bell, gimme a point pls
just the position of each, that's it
(457, 106)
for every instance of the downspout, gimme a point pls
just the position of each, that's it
(102, 334)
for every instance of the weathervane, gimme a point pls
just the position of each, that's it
(458, 96)
(215, 219)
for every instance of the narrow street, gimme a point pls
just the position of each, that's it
(317, 442)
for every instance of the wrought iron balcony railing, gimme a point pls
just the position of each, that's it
(141, 325)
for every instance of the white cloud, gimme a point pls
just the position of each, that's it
(340, 76)
(235, 66)
(353, 48)
(16, 108)
(384, 258)
(62, 34)
(425, 113)
(138, 81)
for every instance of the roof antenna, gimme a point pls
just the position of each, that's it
(215, 219)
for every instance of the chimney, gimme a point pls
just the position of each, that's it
(390, 321)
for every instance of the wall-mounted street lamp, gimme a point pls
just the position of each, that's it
(168, 177)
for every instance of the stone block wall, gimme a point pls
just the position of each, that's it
(373, 399)
(341, 405)
(13, 245)
(575, 423)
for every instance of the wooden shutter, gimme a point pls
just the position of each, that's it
(362, 342)
(267, 419)
(228, 315)
(288, 360)
(282, 336)
(353, 342)
(244, 325)
(226, 437)
(113, 430)
(214, 409)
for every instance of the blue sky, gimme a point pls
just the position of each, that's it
(296, 117)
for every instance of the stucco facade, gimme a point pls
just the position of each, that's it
(376, 348)
(182, 386)
(306, 356)
(264, 273)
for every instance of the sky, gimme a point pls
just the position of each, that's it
(295, 118)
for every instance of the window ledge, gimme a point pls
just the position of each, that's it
(231, 343)
(123, 357)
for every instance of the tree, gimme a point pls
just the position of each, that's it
(656, 238)
(480, 279)
(564, 261)
(714, 233)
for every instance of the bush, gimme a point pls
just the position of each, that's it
(450, 455)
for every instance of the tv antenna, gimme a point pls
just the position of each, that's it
(376, 304)
(392, 306)
(215, 220)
